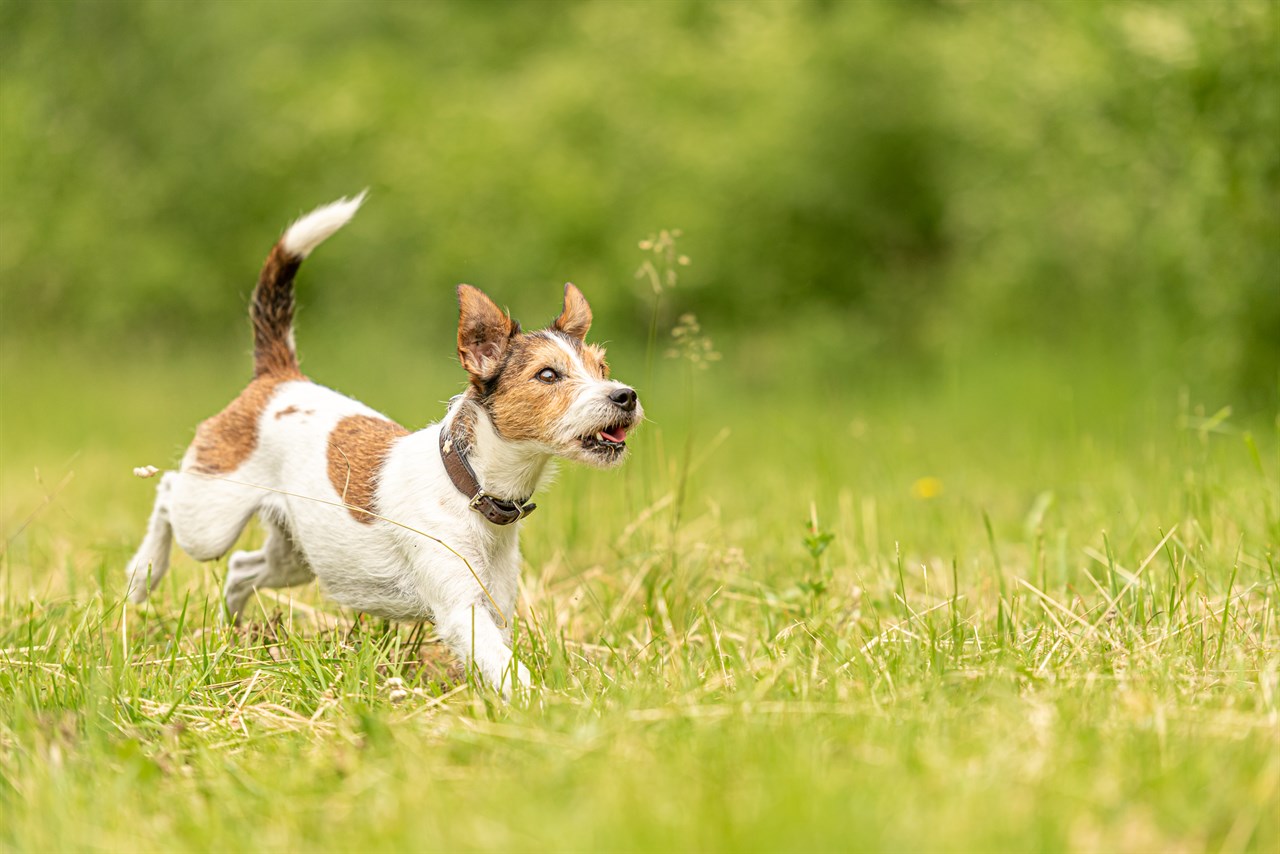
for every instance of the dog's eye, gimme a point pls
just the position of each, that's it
(548, 375)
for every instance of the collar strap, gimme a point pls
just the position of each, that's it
(496, 510)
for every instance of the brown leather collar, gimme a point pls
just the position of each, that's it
(496, 510)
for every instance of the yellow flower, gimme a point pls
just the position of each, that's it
(926, 488)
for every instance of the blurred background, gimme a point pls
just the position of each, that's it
(985, 290)
(905, 197)
(886, 180)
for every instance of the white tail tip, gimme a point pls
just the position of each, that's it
(311, 230)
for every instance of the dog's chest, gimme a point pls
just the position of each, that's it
(428, 547)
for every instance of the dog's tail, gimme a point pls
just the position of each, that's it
(271, 309)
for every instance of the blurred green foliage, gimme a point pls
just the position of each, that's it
(879, 180)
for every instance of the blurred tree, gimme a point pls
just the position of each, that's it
(894, 179)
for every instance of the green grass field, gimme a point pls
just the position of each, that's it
(1045, 618)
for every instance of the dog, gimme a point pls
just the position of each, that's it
(405, 525)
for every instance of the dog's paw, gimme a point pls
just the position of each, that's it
(138, 593)
(138, 575)
(522, 677)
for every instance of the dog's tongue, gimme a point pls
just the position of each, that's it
(617, 434)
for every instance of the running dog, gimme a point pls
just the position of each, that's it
(404, 525)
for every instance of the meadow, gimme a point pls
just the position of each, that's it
(954, 526)
(1014, 606)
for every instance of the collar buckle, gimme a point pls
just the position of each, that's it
(496, 510)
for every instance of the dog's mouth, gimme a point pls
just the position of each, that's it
(610, 441)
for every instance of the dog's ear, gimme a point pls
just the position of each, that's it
(484, 331)
(575, 318)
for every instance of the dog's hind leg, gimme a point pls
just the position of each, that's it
(277, 564)
(151, 561)
(209, 513)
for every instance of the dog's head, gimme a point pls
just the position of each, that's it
(547, 387)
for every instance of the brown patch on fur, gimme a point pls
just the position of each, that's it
(271, 311)
(594, 358)
(227, 439)
(288, 410)
(521, 406)
(358, 448)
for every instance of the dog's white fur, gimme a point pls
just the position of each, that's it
(378, 568)
(301, 238)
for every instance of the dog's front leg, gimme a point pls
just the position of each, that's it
(471, 632)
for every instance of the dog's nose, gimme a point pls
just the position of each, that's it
(625, 398)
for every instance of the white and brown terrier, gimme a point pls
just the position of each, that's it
(465, 481)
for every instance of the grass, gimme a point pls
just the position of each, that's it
(1018, 606)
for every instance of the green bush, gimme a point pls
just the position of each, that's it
(923, 178)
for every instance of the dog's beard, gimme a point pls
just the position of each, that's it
(595, 432)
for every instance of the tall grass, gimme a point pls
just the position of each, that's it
(1065, 635)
